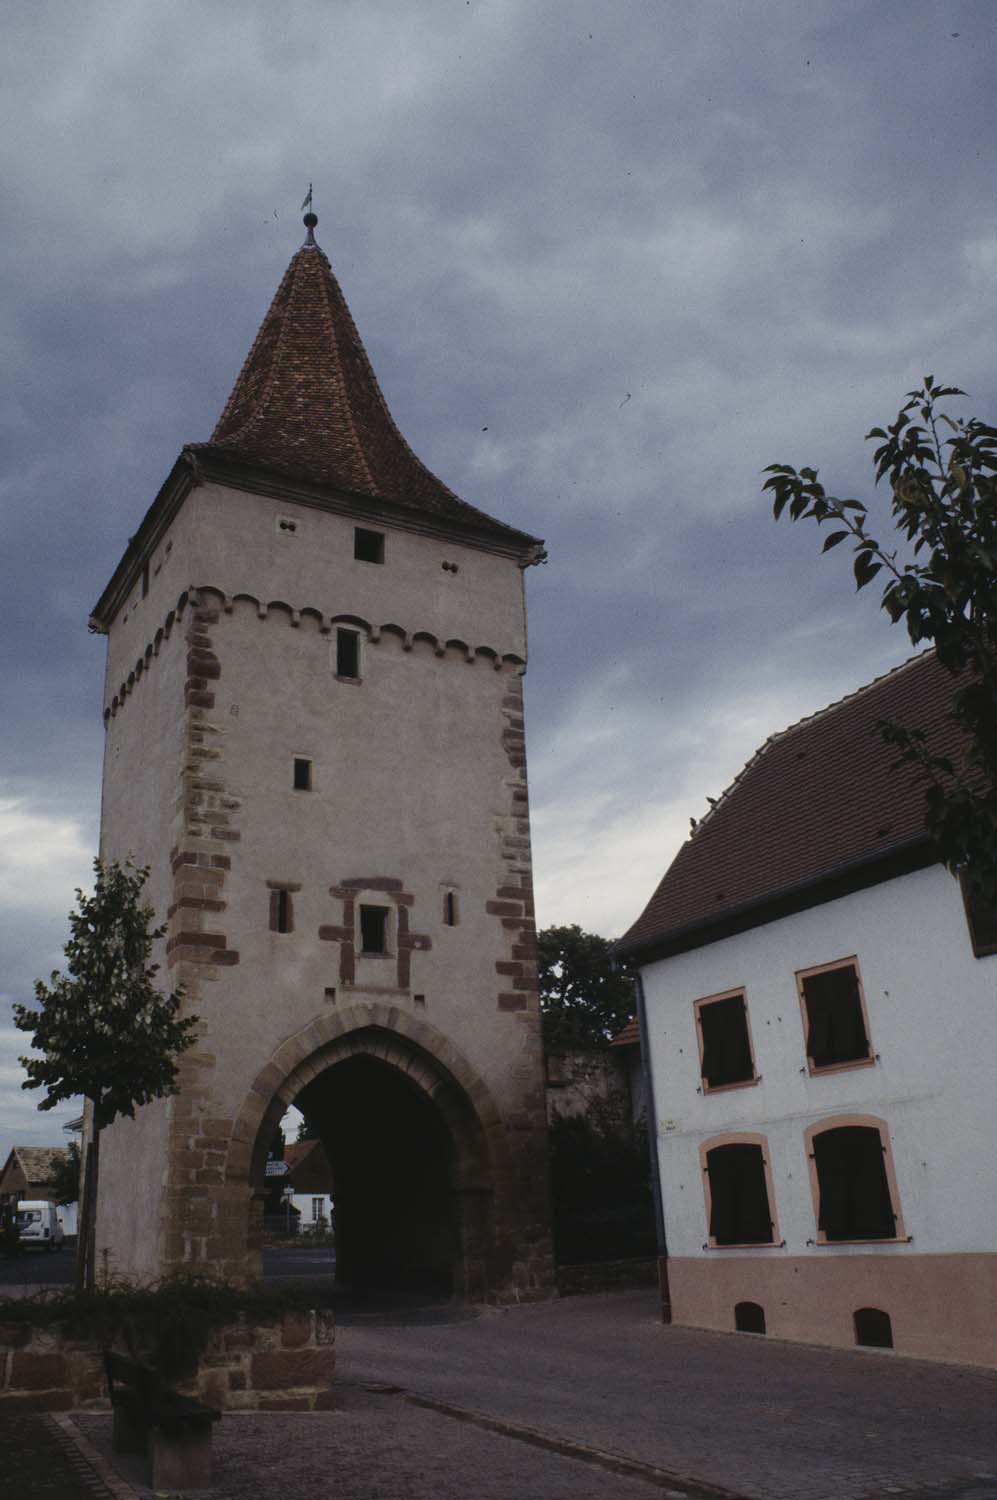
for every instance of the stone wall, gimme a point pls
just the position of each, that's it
(281, 1366)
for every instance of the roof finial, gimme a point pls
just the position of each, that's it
(310, 219)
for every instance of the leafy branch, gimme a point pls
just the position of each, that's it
(942, 475)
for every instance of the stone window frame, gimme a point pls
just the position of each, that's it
(872, 1057)
(837, 1122)
(740, 1138)
(742, 1083)
(289, 889)
(390, 909)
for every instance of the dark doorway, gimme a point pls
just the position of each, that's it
(393, 1162)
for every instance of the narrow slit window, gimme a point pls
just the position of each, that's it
(834, 1016)
(281, 911)
(739, 1199)
(368, 546)
(725, 1044)
(347, 653)
(853, 1188)
(145, 580)
(302, 774)
(373, 929)
(450, 909)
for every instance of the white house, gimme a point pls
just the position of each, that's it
(821, 1014)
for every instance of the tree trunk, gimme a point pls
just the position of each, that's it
(86, 1233)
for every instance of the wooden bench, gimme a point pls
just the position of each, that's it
(173, 1431)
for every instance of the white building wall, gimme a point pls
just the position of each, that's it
(932, 1012)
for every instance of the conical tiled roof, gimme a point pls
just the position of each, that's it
(307, 404)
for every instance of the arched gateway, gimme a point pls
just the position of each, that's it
(315, 741)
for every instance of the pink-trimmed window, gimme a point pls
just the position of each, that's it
(726, 1059)
(835, 1022)
(853, 1181)
(737, 1182)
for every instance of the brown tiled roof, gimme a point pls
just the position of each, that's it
(629, 1036)
(307, 404)
(38, 1162)
(815, 801)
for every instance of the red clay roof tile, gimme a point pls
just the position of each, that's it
(816, 799)
(307, 404)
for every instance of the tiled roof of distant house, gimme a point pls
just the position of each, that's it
(629, 1036)
(814, 806)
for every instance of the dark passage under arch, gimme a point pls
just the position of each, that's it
(393, 1162)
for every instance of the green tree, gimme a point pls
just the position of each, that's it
(65, 1178)
(584, 1000)
(942, 475)
(103, 1030)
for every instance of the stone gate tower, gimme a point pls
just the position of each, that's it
(315, 740)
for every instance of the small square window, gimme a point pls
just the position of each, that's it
(347, 653)
(373, 929)
(368, 546)
(302, 774)
(834, 1016)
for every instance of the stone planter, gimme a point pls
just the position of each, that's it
(287, 1365)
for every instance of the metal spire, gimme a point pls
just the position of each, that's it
(310, 220)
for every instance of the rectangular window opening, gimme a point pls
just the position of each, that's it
(145, 580)
(368, 546)
(450, 909)
(855, 1201)
(347, 653)
(373, 929)
(726, 1044)
(302, 774)
(739, 1200)
(834, 1017)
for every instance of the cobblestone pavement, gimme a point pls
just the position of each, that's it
(759, 1418)
(534, 1403)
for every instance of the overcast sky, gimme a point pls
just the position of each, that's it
(608, 262)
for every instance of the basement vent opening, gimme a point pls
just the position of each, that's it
(873, 1328)
(749, 1317)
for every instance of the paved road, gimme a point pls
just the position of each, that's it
(37, 1268)
(752, 1416)
(304, 1262)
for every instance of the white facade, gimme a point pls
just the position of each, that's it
(932, 1019)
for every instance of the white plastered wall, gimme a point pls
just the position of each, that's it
(932, 1011)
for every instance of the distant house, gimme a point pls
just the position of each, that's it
(27, 1175)
(821, 1014)
(303, 1191)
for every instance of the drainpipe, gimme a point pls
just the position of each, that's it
(652, 1132)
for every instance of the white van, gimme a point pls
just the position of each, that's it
(38, 1224)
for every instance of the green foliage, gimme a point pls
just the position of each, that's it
(169, 1323)
(600, 1188)
(942, 474)
(583, 999)
(103, 1030)
(65, 1178)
